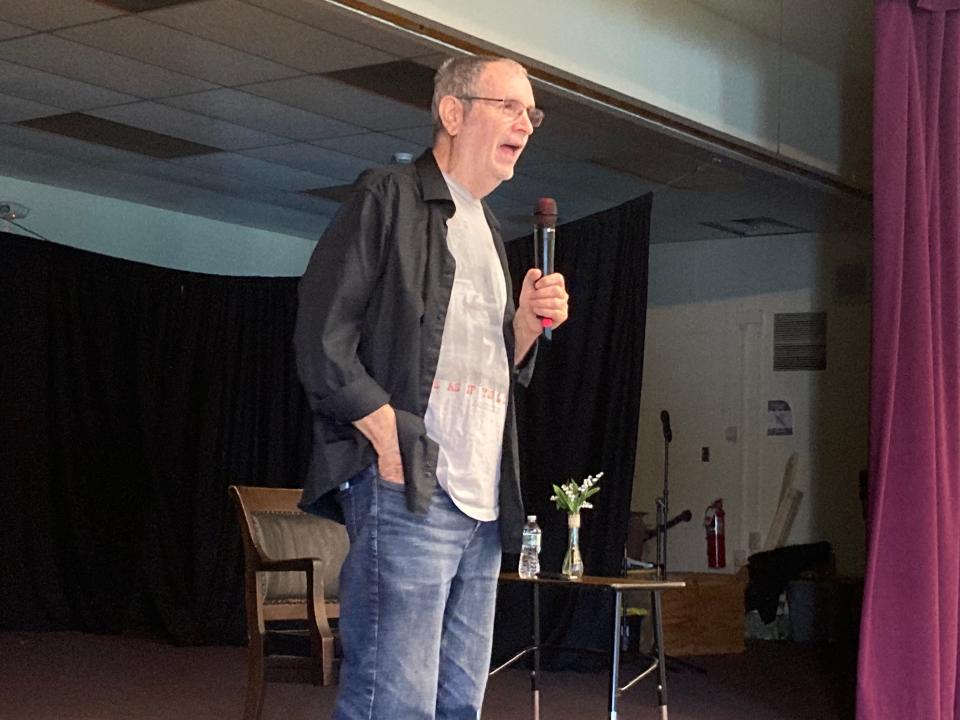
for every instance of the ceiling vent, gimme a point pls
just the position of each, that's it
(117, 135)
(402, 80)
(800, 341)
(755, 227)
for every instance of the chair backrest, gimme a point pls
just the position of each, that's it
(274, 528)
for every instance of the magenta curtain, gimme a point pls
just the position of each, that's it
(909, 636)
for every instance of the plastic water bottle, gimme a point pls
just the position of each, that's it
(530, 551)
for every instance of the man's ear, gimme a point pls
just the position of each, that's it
(451, 114)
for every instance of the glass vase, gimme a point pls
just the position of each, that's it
(572, 562)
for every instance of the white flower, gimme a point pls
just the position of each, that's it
(571, 497)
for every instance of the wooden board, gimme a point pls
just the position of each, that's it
(706, 617)
(783, 520)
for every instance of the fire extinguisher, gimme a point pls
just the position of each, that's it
(713, 521)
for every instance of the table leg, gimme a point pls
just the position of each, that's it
(535, 673)
(661, 660)
(615, 654)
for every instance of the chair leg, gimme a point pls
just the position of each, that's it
(321, 637)
(327, 675)
(253, 704)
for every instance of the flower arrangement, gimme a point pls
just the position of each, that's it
(572, 497)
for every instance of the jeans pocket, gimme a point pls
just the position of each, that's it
(391, 486)
(355, 498)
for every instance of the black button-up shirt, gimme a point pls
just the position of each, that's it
(373, 302)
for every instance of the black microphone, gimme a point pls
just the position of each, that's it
(544, 239)
(665, 420)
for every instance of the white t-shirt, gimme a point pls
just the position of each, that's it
(468, 403)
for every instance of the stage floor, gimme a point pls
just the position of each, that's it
(75, 676)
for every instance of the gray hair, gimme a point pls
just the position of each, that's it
(458, 76)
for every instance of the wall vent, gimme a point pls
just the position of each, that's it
(800, 341)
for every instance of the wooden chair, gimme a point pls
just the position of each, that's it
(291, 573)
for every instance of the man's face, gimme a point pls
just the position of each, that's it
(490, 140)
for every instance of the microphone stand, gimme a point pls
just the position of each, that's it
(663, 508)
(663, 512)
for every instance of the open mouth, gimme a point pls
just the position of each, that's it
(512, 150)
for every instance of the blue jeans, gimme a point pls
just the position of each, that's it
(417, 596)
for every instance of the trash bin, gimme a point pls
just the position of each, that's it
(813, 610)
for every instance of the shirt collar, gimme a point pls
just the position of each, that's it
(431, 180)
(434, 187)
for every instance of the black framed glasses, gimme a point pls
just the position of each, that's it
(512, 108)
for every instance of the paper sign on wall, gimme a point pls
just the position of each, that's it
(779, 418)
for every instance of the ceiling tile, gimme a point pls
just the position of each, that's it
(344, 168)
(269, 174)
(237, 187)
(262, 114)
(585, 132)
(43, 87)
(422, 135)
(27, 164)
(14, 109)
(584, 156)
(174, 195)
(52, 15)
(189, 126)
(299, 201)
(349, 24)
(538, 153)
(268, 35)
(149, 42)
(522, 190)
(376, 147)
(9, 30)
(73, 60)
(498, 203)
(434, 60)
(62, 172)
(604, 183)
(342, 102)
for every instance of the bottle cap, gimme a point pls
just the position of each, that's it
(531, 518)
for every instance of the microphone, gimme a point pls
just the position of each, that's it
(544, 238)
(665, 421)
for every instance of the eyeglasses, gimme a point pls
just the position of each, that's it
(512, 108)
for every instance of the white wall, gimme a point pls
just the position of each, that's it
(152, 235)
(791, 77)
(709, 362)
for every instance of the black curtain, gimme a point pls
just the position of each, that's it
(132, 396)
(579, 417)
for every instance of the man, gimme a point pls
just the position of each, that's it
(408, 346)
